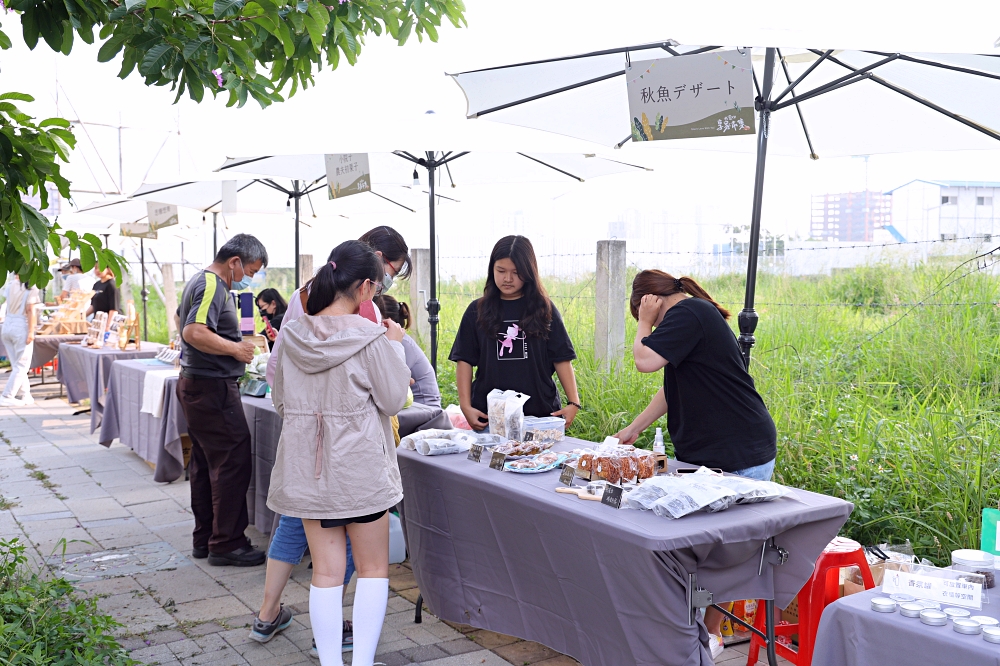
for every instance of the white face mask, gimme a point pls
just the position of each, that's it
(386, 282)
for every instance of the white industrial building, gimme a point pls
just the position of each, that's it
(925, 210)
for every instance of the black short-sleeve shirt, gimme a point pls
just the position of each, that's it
(715, 416)
(206, 300)
(105, 298)
(510, 360)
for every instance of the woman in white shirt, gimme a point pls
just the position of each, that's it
(18, 338)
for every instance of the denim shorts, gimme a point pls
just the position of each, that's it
(288, 544)
(758, 472)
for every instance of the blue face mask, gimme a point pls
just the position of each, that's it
(242, 284)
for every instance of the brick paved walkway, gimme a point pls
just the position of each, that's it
(96, 511)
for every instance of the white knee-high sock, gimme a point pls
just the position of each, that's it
(370, 598)
(326, 613)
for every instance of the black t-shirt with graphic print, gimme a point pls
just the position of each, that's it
(509, 360)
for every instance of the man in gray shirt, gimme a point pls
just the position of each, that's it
(213, 358)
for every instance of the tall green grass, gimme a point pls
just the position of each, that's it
(891, 408)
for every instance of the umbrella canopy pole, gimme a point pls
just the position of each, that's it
(298, 259)
(748, 316)
(144, 292)
(215, 235)
(433, 306)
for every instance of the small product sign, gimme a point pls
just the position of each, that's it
(347, 174)
(685, 97)
(567, 475)
(137, 230)
(497, 461)
(612, 496)
(950, 591)
(476, 453)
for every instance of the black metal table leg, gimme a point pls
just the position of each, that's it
(772, 657)
(418, 615)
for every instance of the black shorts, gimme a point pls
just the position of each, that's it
(343, 522)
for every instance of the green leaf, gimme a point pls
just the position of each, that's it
(111, 47)
(226, 8)
(4, 40)
(29, 27)
(155, 59)
(87, 258)
(132, 5)
(20, 97)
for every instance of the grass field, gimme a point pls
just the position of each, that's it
(890, 407)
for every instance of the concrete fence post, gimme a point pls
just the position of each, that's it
(420, 290)
(609, 320)
(305, 268)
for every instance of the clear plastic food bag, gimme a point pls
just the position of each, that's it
(440, 447)
(495, 407)
(687, 496)
(751, 491)
(513, 415)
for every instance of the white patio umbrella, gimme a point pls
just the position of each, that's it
(503, 163)
(855, 102)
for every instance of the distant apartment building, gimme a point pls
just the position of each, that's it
(850, 216)
(924, 210)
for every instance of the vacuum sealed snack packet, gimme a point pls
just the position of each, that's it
(495, 406)
(686, 496)
(513, 415)
(440, 447)
(751, 491)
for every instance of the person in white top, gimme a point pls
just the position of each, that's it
(75, 280)
(18, 338)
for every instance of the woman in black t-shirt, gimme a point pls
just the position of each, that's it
(516, 340)
(272, 310)
(714, 414)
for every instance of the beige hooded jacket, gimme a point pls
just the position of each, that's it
(337, 381)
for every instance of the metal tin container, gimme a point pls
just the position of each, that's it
(910, 609)
(900, 598)
(926, 603)
(986, 620)
(956, 613)
(883, 605)
(991, 634)
(935, 618)
(964, 625)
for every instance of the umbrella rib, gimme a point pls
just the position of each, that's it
(816, 92)
(802, 120)
(169, 187)
(273, 185)
(452, 158)
(391, 201)
(406, 156)
(548, 93)
(592, 54)
(250, 161)
(791, 85)
(623, 141)
(837, 83)
(926, 102)
(941, 65)
(554, 168)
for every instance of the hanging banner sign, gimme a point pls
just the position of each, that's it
(161, 215)
(708, 94)
(347, 174)
(137, 230)
(229, 191)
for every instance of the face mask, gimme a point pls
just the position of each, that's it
(264, 314)
(242, 284)
(386, 282)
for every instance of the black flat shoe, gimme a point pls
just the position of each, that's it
(199, 553)
(247, 556)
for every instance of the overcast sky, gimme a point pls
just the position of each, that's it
(686, 188)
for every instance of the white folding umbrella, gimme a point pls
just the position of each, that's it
(475, 167)
(855, 101)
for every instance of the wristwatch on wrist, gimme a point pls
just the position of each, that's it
(575, 404)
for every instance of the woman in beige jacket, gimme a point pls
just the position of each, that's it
(339, 377)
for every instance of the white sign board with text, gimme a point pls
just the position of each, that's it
(347, 174)
(685, 97)
(161, 215)
(946, 590)
(137, 230)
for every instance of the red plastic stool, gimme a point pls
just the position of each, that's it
(819, 591)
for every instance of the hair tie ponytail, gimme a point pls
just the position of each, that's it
(334, 265)
(678, 285)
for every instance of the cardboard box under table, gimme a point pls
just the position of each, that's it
(504, 552)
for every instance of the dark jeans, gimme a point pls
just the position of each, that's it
(221, 465)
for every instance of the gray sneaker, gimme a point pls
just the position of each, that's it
(262, 631)
(348, 640)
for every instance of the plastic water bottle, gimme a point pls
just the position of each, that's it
(658, 442)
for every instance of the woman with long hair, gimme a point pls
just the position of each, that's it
(515, 338)
(423, 381)
(339, 379)
(288, 543)
(715, 416)
(272, 307)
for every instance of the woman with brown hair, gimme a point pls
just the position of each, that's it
(715, 416)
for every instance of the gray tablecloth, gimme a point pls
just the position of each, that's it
(85, 372)
(155, 440)
(851, 634)
(265, 431)
(504, 552)
(46, 347)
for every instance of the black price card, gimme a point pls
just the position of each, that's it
(476, 453)
(612, 496)
(568, 473)
(497, 461)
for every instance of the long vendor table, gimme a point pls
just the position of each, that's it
(504, 552)
(85, 372)
(851, 634)
(45, 347)
(155, 439)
